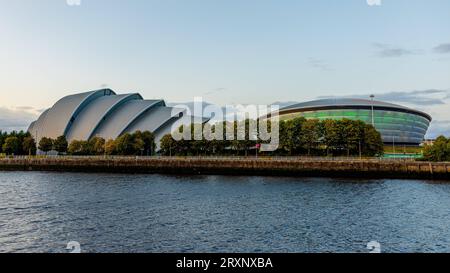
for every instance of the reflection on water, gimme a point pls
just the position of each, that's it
(42, 212)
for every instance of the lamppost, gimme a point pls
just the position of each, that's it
(104, 150)
(360, 150)
(393, 145)
(373, 116)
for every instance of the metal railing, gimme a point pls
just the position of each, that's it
(215, 158)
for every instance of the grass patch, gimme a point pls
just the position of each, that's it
(389, 149)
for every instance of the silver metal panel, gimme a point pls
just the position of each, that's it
(37, 130)
(333, 102)
(93, 114)
(155, 119)
(116, 123)
(31, 127)
(169, 127)
(61, 116)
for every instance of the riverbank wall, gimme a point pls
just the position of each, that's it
(306, 167)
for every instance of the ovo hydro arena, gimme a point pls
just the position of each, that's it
(396, 124)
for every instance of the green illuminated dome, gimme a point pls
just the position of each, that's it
(396, 123)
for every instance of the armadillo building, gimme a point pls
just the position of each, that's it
(105, 114)
(396, 124)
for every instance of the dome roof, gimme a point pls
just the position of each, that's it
(335, 103)
(106, 114)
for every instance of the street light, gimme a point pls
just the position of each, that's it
(373, 117)
(393, 145)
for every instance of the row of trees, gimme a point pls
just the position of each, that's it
(17, 143)
(439, 151)
(297, 137)
(21, 143)
(138, 143)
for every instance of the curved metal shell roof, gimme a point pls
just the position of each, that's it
(155, 119)
(94, 113)
(61, 116)
(169, 127)
(105, 114)
(31, 127)
(116, 123)
(38, 125)
(336, 103)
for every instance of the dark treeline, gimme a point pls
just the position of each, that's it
(17, 143)
(297, 137)
(21, 143)
(439, 151)
(138, 143)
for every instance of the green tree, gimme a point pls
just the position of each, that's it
(125, 145)
(373, 143)
(21, 135)
(79, 147)
(46, 144)
(60, 145)
(349, 135)
(198, 144)
(97, 145)
(3, 136)
(110, 147)
(289, 144)
(219, 144)
(310, 134)
(11, 145)
(148, 138)
(330, 135)
(75, 147)
(138, 146)
(29, 145)
(439, 151)
(168, 144)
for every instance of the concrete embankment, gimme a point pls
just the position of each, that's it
(369, 168)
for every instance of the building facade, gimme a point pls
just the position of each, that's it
(396, 124)
(103, 113)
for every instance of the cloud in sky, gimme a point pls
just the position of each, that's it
(438, 128)
(389, 51)
(429, 97)
(319, 64)
(442, 48)
(18, 118)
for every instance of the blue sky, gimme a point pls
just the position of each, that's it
(233, 51)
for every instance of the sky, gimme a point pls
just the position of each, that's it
(226, 51)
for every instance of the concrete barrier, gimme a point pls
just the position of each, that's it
(366, 168)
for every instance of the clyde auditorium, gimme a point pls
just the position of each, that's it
(108, 115)
(396, 124)
(105, 114)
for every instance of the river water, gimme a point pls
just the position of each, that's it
(42, 212)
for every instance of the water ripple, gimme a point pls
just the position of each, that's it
(41, 212)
